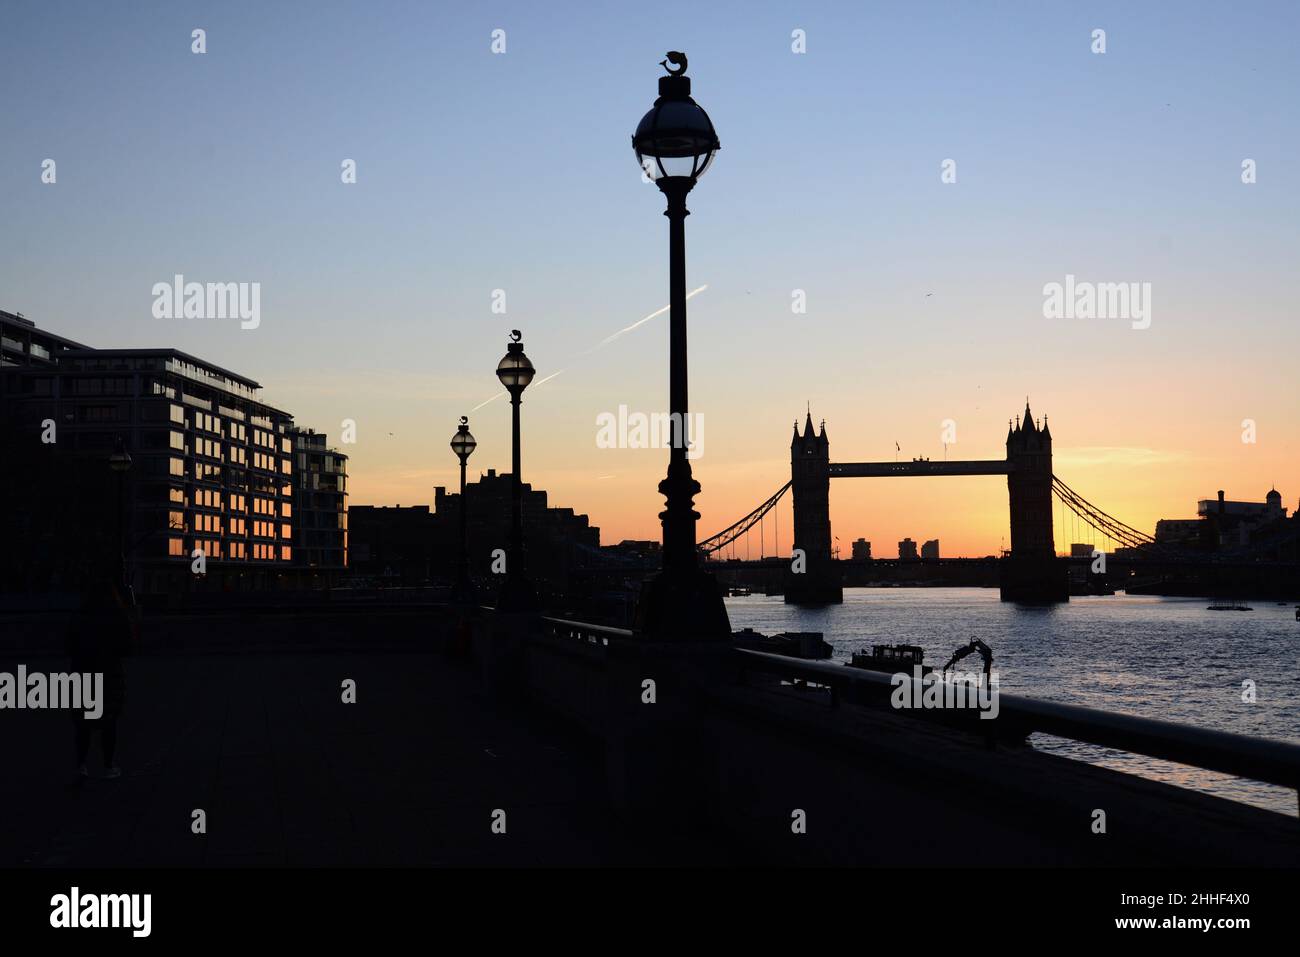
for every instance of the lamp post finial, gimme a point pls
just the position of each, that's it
(678, 60)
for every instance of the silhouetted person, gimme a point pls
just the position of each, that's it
(99, 636)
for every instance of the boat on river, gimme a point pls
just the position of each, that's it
(793, 644)
(891, 659)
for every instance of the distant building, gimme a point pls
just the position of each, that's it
(1179, 531)
(861, 550)
(1266, 510)
(907, 550)
(930, 549)
(645, 550)
(1223, 523)
(1230, 524)
(320, 511)
(551, 535)
(391, 542)
(416, 545)
(211, 467)
(22, 344)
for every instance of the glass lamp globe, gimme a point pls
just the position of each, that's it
(515, 370)
(676, 137)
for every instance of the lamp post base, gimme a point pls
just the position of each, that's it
(682, 606)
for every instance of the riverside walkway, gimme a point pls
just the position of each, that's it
(289, 775)
(459, 721)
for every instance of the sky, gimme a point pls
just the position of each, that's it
(479, 171)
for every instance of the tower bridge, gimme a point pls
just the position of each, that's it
(1030, 571)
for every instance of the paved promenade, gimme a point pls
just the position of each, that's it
(289, 775)
(241, 715)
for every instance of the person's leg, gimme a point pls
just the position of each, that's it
(81, 730)
(108, 740)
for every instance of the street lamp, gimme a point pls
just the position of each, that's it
(463, 444)
(120, 463)
(515, 372)
(675, 144)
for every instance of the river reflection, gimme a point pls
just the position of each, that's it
(1167, 658)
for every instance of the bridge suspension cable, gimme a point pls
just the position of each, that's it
(737, 529)
(1112, 528)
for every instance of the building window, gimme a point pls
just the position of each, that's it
(99, 413)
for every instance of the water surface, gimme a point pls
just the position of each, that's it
(1167, 658)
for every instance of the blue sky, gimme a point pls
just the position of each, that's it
(479, 171)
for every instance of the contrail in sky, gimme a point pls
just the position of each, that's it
(600, 345)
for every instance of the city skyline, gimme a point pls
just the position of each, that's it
(925, 299)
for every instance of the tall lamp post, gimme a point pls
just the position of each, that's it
(120, 463)
(515, 372)
(463, 444)
(675, 144)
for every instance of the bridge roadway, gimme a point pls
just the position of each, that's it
(919, 467)
(240, 714)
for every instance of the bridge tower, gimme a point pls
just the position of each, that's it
(810, 482)
(1032, 572)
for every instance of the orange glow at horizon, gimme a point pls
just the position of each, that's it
(1133, 478)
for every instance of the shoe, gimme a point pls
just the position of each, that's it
(113, 772)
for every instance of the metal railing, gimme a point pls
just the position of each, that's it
(1259, 759)
(582, 631)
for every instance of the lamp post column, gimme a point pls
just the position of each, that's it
(462, 571)
(462, 443)
(679, 488)
(515, 573)
(515, 372)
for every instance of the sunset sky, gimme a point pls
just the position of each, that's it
(479, 171)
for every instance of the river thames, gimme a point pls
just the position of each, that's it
(1169, 658)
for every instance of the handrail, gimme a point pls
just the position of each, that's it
(581, 630)
(587, 626)
(1273, 762)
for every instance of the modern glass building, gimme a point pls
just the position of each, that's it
(320, 491)
(208, 501)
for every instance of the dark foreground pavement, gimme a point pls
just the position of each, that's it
(289, 775)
